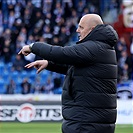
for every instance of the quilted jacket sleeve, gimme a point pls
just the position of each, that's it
(69, 55)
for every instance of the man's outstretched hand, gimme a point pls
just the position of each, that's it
(39, 65)
(25, 50)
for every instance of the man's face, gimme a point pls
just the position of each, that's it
(83, 29)
(128, 14)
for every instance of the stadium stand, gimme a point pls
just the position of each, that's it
(25, 21)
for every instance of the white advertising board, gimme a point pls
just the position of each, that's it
(29, 112)
(124, 112)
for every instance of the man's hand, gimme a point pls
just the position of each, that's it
(25, 50)
(39, 65)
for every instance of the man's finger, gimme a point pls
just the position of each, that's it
(35, 67)
(29, 65)
(25, 53)
(20, 52)
(39, 70)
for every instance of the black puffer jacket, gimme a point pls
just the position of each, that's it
(89, 90)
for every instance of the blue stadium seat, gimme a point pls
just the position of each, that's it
(2, 65)
(5, 76)
(18, 89)
(57, 90)
(14, 75)
(2, 87)
(24, 74)
(32, 75)
(9, 67)
(44, 75)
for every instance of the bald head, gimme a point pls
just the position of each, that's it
(92, 19)
(87, 23)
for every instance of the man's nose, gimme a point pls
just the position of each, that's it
(77, 30)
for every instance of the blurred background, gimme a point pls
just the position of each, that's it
(26, 96)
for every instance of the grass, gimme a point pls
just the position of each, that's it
(46, 127)
(124, 129)
(40, 127)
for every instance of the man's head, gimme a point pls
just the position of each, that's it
(128, 13)
(87, 23)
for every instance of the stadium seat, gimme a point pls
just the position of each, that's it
(32, 75)
(14, 75)
(18, 89)
(5, 76)
(57, 90)
(2, 87)
(2, 67)
(24, 74)
(9, 67)
(44, 75)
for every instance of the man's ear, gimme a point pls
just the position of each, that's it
(92, 27)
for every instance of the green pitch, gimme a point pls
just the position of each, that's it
(46, 127)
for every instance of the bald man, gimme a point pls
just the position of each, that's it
(89, 89)
(87, 24)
